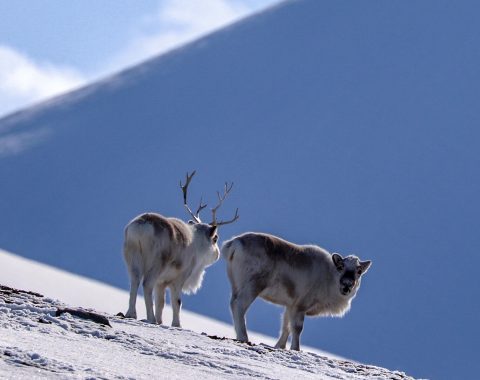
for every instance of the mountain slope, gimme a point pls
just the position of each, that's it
(350, 125)
(36, 341)
(21, 273)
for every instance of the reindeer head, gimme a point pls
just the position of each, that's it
(350, 271)
(207, 233)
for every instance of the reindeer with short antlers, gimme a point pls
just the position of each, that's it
(167, 252)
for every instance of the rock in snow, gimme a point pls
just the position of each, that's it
(34, 342)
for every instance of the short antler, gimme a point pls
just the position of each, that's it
(221, 198)
(196, 216)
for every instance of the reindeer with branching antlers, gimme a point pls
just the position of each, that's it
(169, 253)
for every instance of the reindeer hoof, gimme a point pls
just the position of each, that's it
(130, 315)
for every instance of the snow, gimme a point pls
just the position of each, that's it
(22, 273)
(34, 342)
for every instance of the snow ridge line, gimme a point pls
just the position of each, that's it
(29, 313)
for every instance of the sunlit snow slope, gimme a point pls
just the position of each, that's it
(21, 273)
(36, 342)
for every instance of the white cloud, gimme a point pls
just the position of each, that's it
(24, 81)
(178, 22)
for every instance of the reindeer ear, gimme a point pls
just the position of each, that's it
(364, 265)
(338, 261)
(212, 231)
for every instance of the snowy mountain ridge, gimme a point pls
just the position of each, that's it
(73, 289)
(36, 343)
(41, 337)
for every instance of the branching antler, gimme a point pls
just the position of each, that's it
(196, 216)
(221, 198)
(201, 206)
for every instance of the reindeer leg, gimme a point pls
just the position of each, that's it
(296, 320)
(159, 302)
(285, 332)
(148, 283)
(134, 283)
(239, 304)
(175, 300)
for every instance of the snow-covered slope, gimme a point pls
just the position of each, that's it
(36, 341)
(352, 125)
(21, 273)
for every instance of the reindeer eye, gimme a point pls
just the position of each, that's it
(359, 272)
(215, 238)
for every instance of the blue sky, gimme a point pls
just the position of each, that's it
(52, 46)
